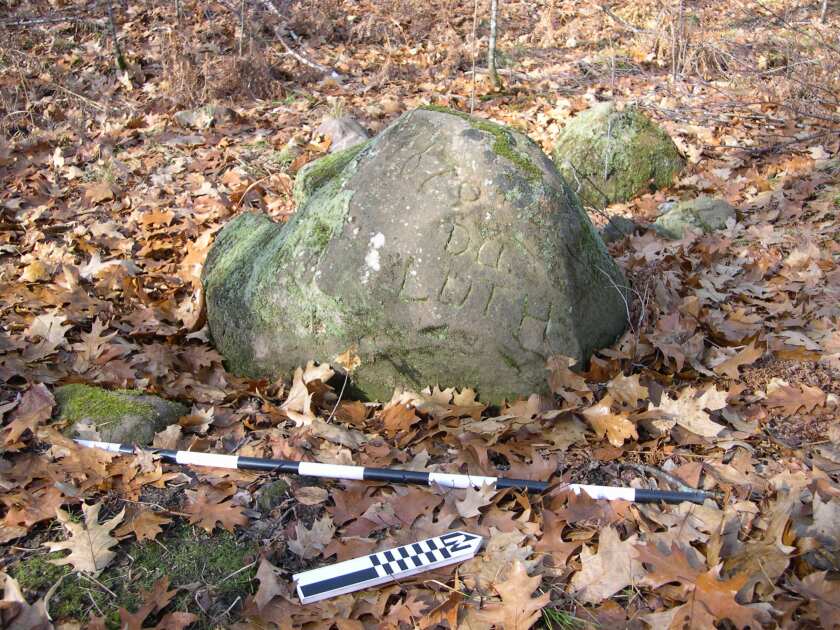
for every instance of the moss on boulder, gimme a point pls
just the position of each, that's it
(610, 156)
(187, 555)
(126, 416)
(703, 213)
(447, 250)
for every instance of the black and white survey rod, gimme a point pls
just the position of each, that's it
(395, 475)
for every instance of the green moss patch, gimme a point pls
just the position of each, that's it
(188, 556)
(504, 142)
(319, 171)
(121, 415)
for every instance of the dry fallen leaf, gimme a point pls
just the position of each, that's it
(270, 584)
(145, 525)
(206, 509)
(606, 571)
(309, 543)
(16, 613)
(616, 426)
(627, 390)
(90, 542)
(35, 407)
(311, 495)
(689, 412)
(474, 499)
(518, 609)
(746, 356)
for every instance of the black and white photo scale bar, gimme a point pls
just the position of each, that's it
(382, 567)
(396, 475)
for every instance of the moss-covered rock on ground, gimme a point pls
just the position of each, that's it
(610, 156)
(210, 566)
(126, 416)
(703, 213)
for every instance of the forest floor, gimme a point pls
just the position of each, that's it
(727, 380)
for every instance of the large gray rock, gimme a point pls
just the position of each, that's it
(610, 156)
(703, 213)
(447, 250)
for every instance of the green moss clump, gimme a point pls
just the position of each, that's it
(317, 172)
(186, 555)
(122, 415)
(504, 142)
(78, 401)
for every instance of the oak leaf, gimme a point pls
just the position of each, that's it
(474, 499)
(688, 410)
(16, 613)
(206, 509)
(90, 542)
(100, 191)
(298, 404)
(627, 390)
(155, 599)
(50, 331)
(398, 418)
(270, 585)
(309, 543)
(605, 572)
(702, 587)
(35, 407)
(145, 525)
(791, 399)
(616, 426)
(311, 495)
(746, 356)
(518, 609)
(493, 564)
(822, 594)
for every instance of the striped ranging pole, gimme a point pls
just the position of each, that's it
(386, 566)
(395, 475)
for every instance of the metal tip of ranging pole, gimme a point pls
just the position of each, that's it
(396, 475)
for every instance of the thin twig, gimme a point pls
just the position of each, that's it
(239, 570)
(269, 5)
(99, 584)
(340, 394)
(474, 53)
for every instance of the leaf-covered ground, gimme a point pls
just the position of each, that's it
(727, 380)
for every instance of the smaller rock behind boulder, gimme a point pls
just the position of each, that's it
(343, 132)
(124, 416)
(703, 213)
(609, 156)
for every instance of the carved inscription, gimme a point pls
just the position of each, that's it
(488, 274)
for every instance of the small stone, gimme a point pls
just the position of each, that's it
(123, 416)
(610, 156)
(703, 213)
(617, 228)
(205, 117)
(343, 132)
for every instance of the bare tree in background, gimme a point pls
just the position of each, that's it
(491, 47)
(824, 11)
(118, 53)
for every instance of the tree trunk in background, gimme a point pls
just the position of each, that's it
(824, 11)
(491, 47)
(121, 64)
